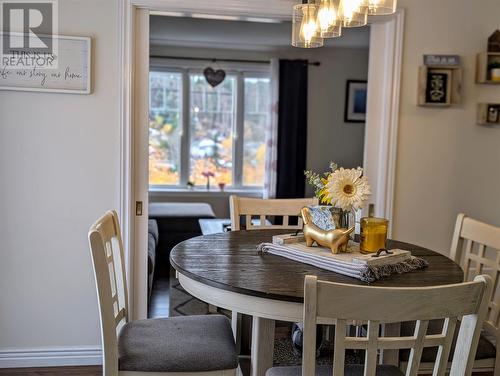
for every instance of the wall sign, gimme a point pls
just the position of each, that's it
(68, 71)
(442, 60)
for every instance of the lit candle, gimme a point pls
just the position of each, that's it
(373, 234)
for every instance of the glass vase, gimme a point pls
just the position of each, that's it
(343, 218)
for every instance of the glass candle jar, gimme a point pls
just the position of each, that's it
(373, 234)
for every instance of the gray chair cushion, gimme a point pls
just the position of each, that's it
(350, 370)
(177, 344)
(485, 349)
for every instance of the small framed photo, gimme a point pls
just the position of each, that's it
(355, 101)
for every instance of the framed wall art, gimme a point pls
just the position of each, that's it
(68, 71)
(355, 101)
(438, 88)
(440, 81)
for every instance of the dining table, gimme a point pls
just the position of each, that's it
(227, 270)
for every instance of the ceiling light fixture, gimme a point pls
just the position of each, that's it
(314, 20)
(330, 24)
(305, 31)
(352, 14)
(379, 7)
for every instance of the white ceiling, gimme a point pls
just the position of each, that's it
(242, 35)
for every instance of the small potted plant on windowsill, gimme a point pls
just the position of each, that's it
(494, 69)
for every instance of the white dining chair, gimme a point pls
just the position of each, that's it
(190, 345)
(250, 208)
(339, 304)
(476, 248)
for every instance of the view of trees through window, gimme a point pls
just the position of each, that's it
(165, 127)
(212, 118)
(257, 118)
(212, 128)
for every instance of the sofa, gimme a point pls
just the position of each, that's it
(153, 238)
(178, 221)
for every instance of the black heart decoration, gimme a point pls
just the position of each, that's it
(213, 77)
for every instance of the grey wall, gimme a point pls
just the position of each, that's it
(329, 138)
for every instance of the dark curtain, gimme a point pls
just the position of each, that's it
(292, 129)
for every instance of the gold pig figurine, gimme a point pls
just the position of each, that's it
(336, 240)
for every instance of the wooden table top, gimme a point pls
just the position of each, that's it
(230, 261)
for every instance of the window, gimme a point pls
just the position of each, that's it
(195, 128)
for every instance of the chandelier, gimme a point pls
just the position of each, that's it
(316, 20)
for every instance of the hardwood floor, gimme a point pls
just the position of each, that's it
(53, 371)
(159, 300)
(96, 371)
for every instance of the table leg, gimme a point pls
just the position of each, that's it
(262, 346)
(390, 357)
(236, 326)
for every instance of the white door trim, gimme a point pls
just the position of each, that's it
(125, 114)
(381, 129)
(384, 81)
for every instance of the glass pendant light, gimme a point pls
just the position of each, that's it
(305, 29)
(379, 7)
(352, 14)
(328, 19)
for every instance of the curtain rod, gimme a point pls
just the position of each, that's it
(314, 63)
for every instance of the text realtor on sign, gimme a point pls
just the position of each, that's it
(28, 30)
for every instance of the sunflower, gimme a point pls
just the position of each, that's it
(346, 189)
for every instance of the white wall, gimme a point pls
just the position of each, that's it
(329, 137)
(446, 163)
(59, 170)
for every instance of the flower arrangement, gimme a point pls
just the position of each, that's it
(346, 189)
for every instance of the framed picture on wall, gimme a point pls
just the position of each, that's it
(438, 90)
(355, 101)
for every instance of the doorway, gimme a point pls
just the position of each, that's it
(381, 127)
(198, 125)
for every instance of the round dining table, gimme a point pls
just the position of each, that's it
(227, 270)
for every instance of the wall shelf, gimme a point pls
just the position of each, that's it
(484, 59)
(488, 113)
(450, 86)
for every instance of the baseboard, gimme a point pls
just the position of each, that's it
(53, 357)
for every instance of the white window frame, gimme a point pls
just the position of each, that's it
(241, 71)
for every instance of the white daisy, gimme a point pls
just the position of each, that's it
(347, 189)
